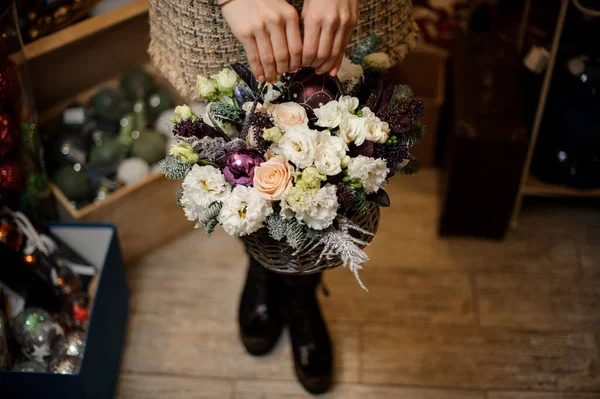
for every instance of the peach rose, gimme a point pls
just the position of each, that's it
(273, 178)
(288, 115)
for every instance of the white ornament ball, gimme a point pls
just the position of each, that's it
(163, 124)
(133, 170)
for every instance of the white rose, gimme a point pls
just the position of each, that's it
(299, 145)
(370, 172)
(202, 186)
(244, 211)
(377, 131)
(226, 80)
(288, 115)
(330, 115)
(353, 130)
(206, 87)
(330, 152)
(348, 104)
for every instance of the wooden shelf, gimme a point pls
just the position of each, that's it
(85, 28)
(537, 188)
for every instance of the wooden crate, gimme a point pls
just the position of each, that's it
(424, 70)
(80, 59)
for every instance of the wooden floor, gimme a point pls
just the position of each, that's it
(444, 318)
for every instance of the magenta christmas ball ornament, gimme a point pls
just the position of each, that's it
(310, 90)
(240, 164)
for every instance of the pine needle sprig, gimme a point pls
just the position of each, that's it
(173, 169)
(209, 218)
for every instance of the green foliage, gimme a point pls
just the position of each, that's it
(227, 113)
(412, 167)
(354, 196)
(209, 217)
(178, 196)
(414, 134)
(173, 169)
(290, 228)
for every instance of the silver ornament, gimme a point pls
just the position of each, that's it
(133, 170)
(29, 366)
(72, 345)
(37, 333)
(65, 365)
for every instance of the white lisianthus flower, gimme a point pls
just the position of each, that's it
(368, 114)
(247, 106)
(353, 130)
(377, 131)
(207, 88)
(226, 80)
(370, 172)
(226, 99)
(348, 104)
(349, 74)
(330, 152)
(244, 211)
(288, 115)
(329, 115)
(184, 112)
(377, 61)
(202, 186)
(299, 146)
(316, 208)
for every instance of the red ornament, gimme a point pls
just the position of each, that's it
(11, 177)
(9, 82)
(9, 134)
(312, 91)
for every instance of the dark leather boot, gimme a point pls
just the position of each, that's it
(311, 346)
(260, 317)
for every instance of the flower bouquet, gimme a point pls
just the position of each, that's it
(298, 168)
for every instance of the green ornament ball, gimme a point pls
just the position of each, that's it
(137, 84)
(150, 146)
(75, 184)
(108, 104)
(158, 102)
(107, 156)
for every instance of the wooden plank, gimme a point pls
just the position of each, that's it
(136, 386)
(542, 395)
(485, 359)
(590, 251)
(188, 344)
(396, 295)
(292, 390)
(85, 28)
(537, 188)
(536, 301)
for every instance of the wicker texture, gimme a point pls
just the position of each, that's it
(277, 255)
(190, 37)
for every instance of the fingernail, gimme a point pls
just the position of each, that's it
(261, 78)
(333, 72)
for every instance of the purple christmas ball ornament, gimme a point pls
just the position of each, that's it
(310, 90)
(240, 164)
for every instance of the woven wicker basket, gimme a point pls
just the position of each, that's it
(190, 37)
(272, 254)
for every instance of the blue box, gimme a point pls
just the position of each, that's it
(99, 372)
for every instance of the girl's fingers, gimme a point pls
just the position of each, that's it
(325, 44)
(294, 42)
(311, 42)
(280, 48)
(267, 59)
(253, 57)
(338, 62)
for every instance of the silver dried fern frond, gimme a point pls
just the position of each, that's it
(340, 243)
(295, 233)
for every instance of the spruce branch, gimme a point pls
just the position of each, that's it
(209, 218)
(227, 113)
(173, 169)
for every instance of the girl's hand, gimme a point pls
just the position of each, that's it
(328, 25)
(269, 31)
